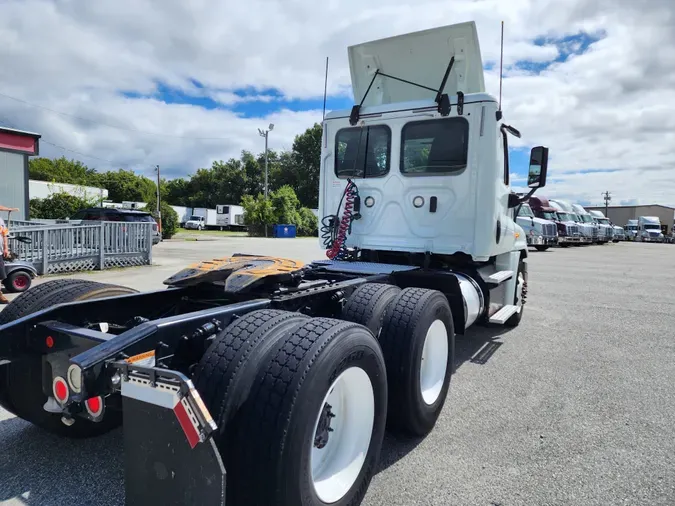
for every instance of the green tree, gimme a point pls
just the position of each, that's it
(125, 185)
(309, 224)
(258, 214)
(169, 217)
(60, 170)
(306, 163)
(58, 206)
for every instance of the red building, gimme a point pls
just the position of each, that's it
(15, 148)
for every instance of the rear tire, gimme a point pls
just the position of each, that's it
(368, 303)
(541, 248)
(285, 453)
(225, 374)
(21, 381)
(418, 343)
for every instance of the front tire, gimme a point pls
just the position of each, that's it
(18, 282)
(326, 374)
(418, 342)
(519, 295)
(541, 248)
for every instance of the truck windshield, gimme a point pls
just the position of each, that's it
(604, 220)
(362, 151)
(550, 215)
(586, 218)
(526, 211)
(649, 226)
(565, 216)
(195, 218)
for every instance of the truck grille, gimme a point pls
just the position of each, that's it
(572, 230)
(549, 230)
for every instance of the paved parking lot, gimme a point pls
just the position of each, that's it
(575, 406)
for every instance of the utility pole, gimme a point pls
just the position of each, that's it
(608, 198)
(159, 209)
(265, 134)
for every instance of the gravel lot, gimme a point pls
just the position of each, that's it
(575, 406)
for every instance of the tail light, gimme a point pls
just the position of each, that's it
(60, 390)
(154, 227)
(94, 406)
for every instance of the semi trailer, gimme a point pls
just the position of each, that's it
(541, 234)
(284, 375)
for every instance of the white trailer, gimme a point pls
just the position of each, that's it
(183, 213)
(230, 216)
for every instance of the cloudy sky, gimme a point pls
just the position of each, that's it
(180, 83)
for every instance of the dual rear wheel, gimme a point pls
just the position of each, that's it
(302, 403)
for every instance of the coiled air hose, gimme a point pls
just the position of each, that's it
(334, 229)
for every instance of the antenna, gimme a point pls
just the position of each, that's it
(501, 66)
(325, 89)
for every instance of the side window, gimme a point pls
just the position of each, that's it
(362, 152)
(434, 146)
(78, 215)
(505, 144)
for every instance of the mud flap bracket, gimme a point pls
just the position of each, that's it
(170, 457)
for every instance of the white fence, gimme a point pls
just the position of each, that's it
(88, 245)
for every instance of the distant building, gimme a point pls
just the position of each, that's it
(619, 215)
(44, 189)
(16, 147)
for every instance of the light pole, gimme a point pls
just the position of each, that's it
(159, 209)
(265, 134)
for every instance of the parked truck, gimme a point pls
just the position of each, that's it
(588, 220)
(631, 229)
(229, 216)
(606, 228)
(586, 230)
(284, 374)
(568, 231)
(619, 233)
(222, 217)
(541, 234)
(649, 229)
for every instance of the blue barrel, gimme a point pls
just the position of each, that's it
(287, 231)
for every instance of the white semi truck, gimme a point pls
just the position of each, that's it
(586, 230)
(631, 229)
(606, 228)
(587, 218)
(541, 234)
(282, 374)
(649, 229)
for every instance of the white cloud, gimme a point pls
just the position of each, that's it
(609, 108)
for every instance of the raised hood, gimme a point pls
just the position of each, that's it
(421, 57)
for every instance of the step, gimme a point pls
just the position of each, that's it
(498, 278)
(504, 314)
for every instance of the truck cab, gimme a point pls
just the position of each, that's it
(606, 228)
(631, 229)
(588, 220)
(568, 231)
(195, 222)
(586, 230)
(430, 175)
(619, 233)
(540, 233)
(649, 229)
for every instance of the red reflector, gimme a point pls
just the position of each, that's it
(49, 342)
(184, 419)
(94, 406)
(60, 389)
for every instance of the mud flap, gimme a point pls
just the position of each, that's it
(170, 458)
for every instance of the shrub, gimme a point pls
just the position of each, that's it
(169, 217)
(310, 223)
(58, 206)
